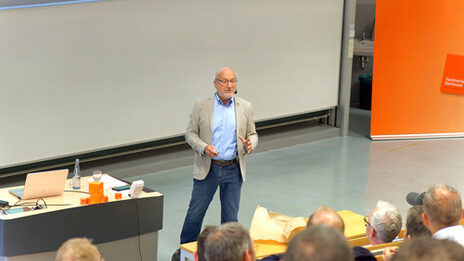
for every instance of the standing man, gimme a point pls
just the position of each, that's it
(221, 131)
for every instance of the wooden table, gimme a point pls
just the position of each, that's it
(354, 224)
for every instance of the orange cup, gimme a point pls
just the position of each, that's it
(118, 195)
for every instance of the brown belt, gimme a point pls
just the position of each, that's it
(223, 163)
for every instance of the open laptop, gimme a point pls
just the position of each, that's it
(42, 184)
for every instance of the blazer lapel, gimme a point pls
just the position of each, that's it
(238, 113)
(210, 112)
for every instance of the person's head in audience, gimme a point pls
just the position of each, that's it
(229, 242)
(78, 249)
(319, 243)
(326, 215)
(199, 255)
(415, 225)
(428, 249)
(383, 224)
(442, 207)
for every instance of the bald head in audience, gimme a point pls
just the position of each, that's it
(327, 215)
(229, 242)
(319, 243)
(443, 213)
(383, 224)
(442, 207)
(428, 249)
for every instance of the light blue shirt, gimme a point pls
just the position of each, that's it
(224, 137)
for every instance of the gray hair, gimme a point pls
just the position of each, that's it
(443, 206)
(386, 221)
(319, 243)
(202, 240)
(228, 242)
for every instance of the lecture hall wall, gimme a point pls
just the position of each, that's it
(412, 42)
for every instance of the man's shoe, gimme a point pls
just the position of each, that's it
(176, 255)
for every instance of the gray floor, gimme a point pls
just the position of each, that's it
(342, 172)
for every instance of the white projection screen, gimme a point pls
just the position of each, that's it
(85, 77)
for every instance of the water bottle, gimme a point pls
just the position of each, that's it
(76, 181)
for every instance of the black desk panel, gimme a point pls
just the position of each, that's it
(104, 222)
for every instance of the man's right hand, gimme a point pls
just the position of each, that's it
(210, 151)
(388, 253)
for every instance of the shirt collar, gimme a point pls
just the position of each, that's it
(447, 230)
(220, 101)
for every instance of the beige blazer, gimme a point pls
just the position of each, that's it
(199, 133)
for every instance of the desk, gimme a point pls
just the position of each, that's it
(354, 227)
(122, 229)
(354, 224)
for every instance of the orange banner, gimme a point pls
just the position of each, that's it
(412, 42)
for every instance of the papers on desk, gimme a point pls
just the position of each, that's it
(109, 182)
(277, 227)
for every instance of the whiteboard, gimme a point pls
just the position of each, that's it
(85, 77)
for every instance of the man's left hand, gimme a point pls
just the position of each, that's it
(246, 144)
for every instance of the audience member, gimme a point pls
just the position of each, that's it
(428, 249)
(415, 224)
(383, 224)
(229, 242)
(443, 212)
(323, 239)
(415, 228)
(199, 255)
(326, 215)
(319, 243)
(78, 249)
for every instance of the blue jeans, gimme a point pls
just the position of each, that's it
(229, 180)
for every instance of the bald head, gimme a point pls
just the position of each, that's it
(443, 206)
(328, 216)
(224, 70)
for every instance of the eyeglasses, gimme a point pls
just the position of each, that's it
(233, 81)
(366, 222)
